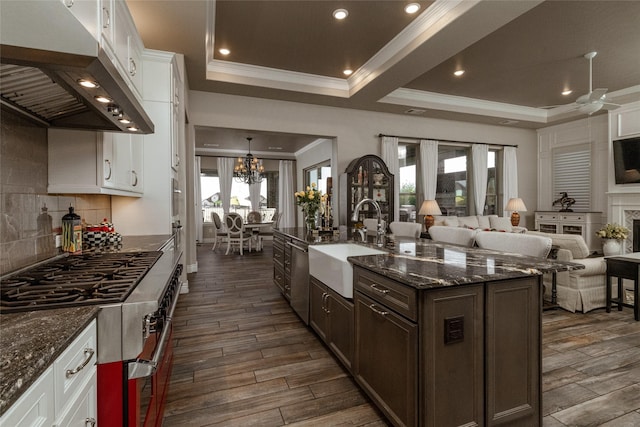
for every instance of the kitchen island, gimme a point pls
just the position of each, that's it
(441, 335)
(30, 341)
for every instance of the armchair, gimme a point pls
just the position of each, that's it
(579, 290)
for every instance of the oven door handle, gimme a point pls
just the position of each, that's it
(142, 368)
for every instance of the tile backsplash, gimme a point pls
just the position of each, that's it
(29, 216)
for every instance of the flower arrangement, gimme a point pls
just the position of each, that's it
(311, 200)
(613, 231)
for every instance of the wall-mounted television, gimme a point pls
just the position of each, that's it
(626, 160)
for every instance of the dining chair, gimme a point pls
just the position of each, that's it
(236, 233)
(276, 219)
(255, 217)
(219, 235)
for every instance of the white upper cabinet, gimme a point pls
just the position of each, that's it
(89, 162)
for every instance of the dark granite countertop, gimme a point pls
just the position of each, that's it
(30, 341)
(423, 264)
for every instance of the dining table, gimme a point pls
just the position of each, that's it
(255, 228)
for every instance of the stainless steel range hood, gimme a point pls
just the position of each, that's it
(45, 51)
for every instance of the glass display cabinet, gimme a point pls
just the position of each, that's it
(366, 177)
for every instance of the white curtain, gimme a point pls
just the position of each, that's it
(480, 157)
(225, 175)
(254, 195)
(389, 149)
(197, 190)
(510, 178)
(286, 202)
(429, 168)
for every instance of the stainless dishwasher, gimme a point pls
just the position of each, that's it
(300, 280)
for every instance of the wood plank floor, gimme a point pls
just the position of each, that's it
(242, 358)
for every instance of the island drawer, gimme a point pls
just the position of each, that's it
(394, 295)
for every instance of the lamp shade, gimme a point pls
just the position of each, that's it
(429, 207)
(516, 205)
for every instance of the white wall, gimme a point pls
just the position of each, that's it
(356, 132)
(317, 152)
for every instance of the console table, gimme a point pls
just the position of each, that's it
(583, 224)
(624, 267)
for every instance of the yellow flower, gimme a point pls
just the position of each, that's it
(313, 184)
(311, 196)
(308, 188)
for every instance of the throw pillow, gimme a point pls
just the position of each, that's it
(451, 221)
(501, 223)
(468, 221)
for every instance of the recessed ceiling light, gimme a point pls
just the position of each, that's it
(124, 121)
(567, 92)
(133, 129)
(224, 51)
(103, 99)
(412, 8)
(88, 83)
(347, 72)
(458, 73)
(340, 13)
(211, 145)
(275, 148)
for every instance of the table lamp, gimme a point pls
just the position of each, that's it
(514, 205)
(428, 209)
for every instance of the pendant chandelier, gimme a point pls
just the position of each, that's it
(248, 169)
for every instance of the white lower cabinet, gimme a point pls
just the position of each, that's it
(66, 393)
(35, 406)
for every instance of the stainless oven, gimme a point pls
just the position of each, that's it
(148, 375)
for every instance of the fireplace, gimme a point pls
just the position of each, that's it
(635, 235)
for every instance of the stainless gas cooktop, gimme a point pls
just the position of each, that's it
(76, 280)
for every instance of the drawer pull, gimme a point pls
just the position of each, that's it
(375, 287)
(380, 312)
(89, 352)
(90, 422)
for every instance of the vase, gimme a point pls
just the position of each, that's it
(310, 222)
(611, 247)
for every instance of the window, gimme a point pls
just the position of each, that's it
(211, 202)
(451, 187)
(407, 154)
(318, 174)
(453, 193)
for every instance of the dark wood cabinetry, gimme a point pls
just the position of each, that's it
(464, 355)
(331, 316)
(282, 264)
(385, 362)
(366, 177)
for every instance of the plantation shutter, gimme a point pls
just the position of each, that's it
(572, 174)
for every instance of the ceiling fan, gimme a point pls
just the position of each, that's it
(591, 102)
(595, 100)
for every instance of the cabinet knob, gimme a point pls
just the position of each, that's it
(68, 3)
(132, 67)
(90, 422)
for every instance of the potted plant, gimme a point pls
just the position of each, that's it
(612, 236)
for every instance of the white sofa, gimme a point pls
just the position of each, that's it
(480, 222)
(455, 235)
(523, 244)
(578, 290)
